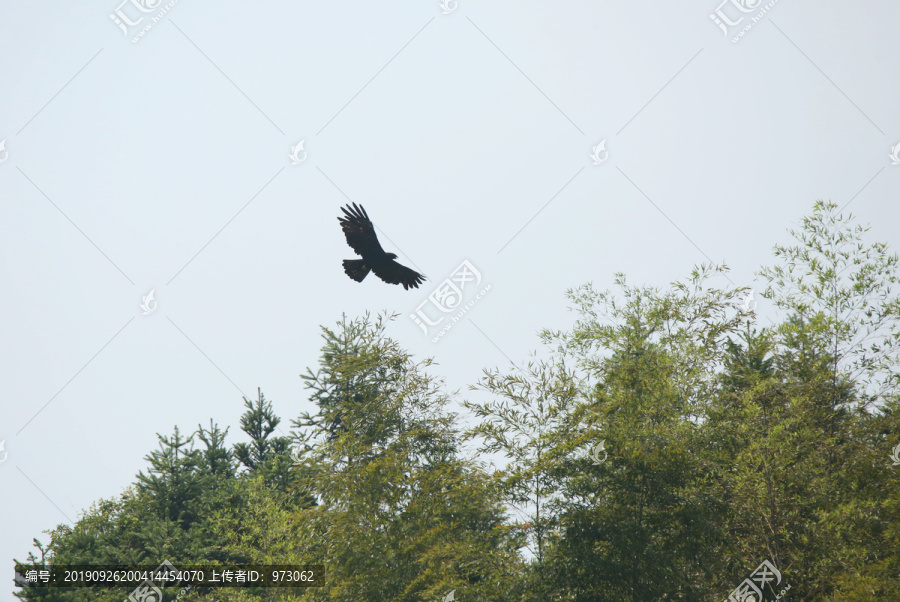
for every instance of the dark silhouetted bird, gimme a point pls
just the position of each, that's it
(361, 237)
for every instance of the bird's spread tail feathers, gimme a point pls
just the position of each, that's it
(356, 269)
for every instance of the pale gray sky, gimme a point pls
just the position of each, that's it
(163, 164)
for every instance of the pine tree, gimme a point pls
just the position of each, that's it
(264, 454)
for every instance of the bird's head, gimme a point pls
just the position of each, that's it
(391, 255)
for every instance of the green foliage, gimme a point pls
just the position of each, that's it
(640, 525)
(526, 425)
(725, 442)
(264, 454)
(846, 291)
(401, 516)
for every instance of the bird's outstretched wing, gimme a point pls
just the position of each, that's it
(360, 232)
(394, 273)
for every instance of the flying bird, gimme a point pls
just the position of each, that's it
(361, 237)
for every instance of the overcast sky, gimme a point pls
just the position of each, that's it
(163, 163)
